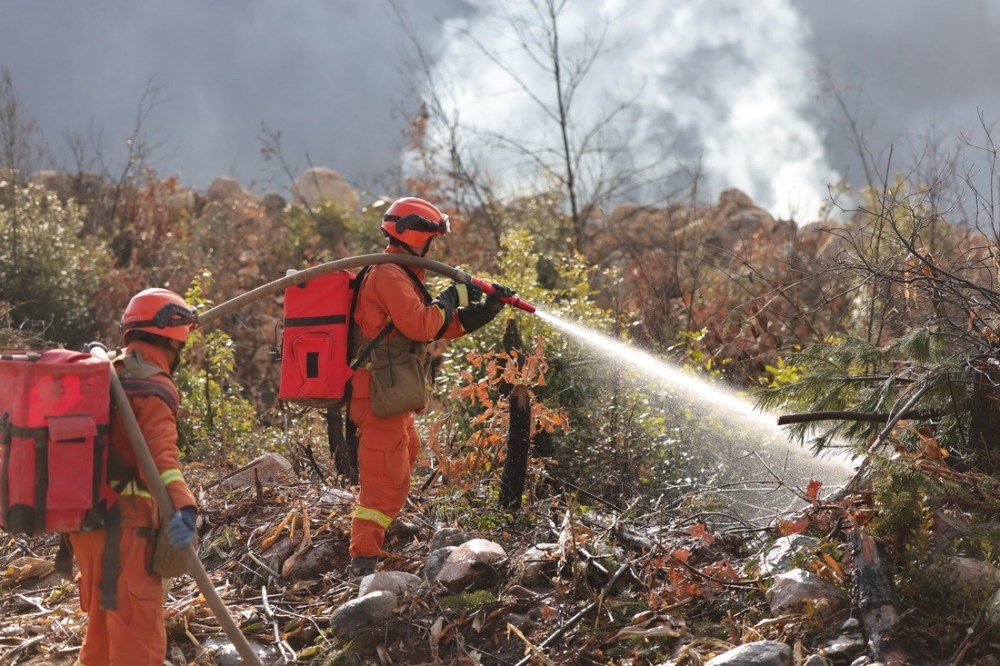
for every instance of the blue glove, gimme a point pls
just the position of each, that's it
(180, 531)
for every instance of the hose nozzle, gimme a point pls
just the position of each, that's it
(513, 301)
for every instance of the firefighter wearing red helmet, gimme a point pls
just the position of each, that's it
(121, 595)
(396, 318)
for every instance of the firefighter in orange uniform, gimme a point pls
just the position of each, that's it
(119, 592)
(396, 318)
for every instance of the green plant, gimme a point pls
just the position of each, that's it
(218, 420)
(49, 271)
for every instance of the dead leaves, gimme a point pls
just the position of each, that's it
(24, 569)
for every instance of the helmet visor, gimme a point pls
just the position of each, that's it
(414, 222)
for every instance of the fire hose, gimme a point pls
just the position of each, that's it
(270, 288)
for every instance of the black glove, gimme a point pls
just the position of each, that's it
(458, 295)
(502, 291)
(180, 531)
(475, 317)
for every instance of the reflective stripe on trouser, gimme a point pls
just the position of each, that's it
(134, 634)
(387, 449)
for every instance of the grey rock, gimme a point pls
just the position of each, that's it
(538, 564)
(435, 561)
(780, 556)
(759, 653)
(224, 653)
(448, 536)
(269, 468)
(817, 660)
(358, 614)
(227, 189)
(797, 590)
(471, 565)
(842, 648)
(317, 185)
(399, 583)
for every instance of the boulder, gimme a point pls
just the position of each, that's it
(320, 185)
(435, 562)
(227, 189)
(471, 565)
(269, 469)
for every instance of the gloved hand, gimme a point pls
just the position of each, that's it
(91, 346)
(458, 295)
(475, 317)
(501, 291)
(180, 531)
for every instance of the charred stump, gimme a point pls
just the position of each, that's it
(876, 599)
(342, 439)
(515, 467)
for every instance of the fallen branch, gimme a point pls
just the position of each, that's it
(9, 657)
(865, 417)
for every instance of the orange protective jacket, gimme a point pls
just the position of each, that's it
(388, 294)
(387, 447)
(133, 633)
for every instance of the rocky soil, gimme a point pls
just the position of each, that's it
(557, 584)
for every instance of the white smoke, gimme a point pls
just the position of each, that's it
(724, 83)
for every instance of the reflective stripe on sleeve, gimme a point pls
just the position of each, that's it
(170, 476)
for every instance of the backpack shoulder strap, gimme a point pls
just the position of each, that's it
(137, 375)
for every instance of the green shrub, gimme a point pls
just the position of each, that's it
(49, 271)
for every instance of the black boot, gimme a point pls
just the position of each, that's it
(362, 566)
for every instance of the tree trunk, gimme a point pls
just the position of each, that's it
(984, 434)
(515, 467)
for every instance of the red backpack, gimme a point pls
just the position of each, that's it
(315, 344)
(54, 423)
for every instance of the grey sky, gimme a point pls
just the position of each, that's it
(330, 76)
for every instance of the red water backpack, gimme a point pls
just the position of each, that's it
(315, 343)
(54, 424)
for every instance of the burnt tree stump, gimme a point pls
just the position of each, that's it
(342, 438)
(515, 467)
(875, 597)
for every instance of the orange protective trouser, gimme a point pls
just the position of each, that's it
(134, 634)
(387, 449)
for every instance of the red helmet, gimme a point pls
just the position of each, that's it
(414, 222)
(159, 311)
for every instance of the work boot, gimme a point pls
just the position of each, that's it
(400, 529)
(362, 566)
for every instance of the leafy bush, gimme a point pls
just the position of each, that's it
(49, 272)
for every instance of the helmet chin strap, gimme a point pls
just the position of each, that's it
(395, 241)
